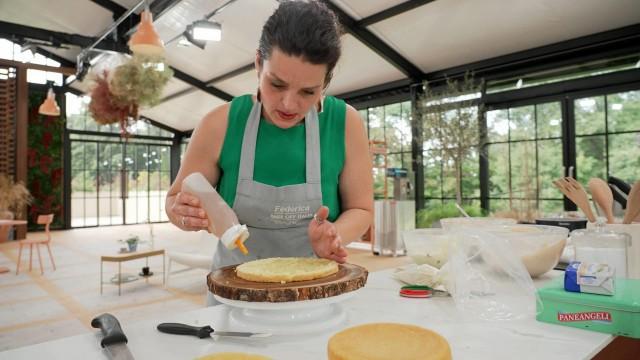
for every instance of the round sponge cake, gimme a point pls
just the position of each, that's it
(382, 341)
(286, 269)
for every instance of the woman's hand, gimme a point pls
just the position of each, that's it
(324, 237)
(187, 214)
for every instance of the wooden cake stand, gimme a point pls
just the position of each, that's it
(290, 308)
(225, 283)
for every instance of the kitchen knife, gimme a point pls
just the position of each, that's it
(205, 331)
(113, 341)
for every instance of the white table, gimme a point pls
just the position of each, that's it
(377, 302)
(122, 257)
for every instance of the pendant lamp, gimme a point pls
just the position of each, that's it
(146, 41)
(49, 106)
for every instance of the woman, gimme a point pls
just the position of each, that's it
(288, 154)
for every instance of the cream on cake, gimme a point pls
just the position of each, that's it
(383, 341)
(286, 269)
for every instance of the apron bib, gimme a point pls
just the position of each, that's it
(277, 217)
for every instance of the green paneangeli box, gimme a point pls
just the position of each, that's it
(618, 314)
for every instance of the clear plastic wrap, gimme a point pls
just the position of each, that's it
(487, 278)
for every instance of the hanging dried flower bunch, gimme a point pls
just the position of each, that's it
(138, 82)
(103, 106)
(141, 80)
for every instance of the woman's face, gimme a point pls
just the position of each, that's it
(289, 87)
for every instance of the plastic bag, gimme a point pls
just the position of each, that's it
(423, 274)
(487, 278)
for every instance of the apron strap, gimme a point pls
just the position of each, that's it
(312, 138)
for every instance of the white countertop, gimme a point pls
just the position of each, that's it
(378, 301)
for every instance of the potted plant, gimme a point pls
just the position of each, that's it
(132, 242)
(13, 198)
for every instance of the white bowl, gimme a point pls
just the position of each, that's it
(539, 246)
(465, 222)
(427, 246)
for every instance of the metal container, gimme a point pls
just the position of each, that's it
(391, 218)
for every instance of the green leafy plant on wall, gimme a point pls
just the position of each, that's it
(45, 162)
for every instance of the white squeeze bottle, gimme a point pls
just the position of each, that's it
(223, 222)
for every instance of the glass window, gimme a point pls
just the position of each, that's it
(624, 156)
(376, 123)
(432, 162)
(13, 51)
(522, 169)
(390, 127)
(441, 168)
(550, 167)
(498, 125)
(471, 175)
(398, 129)
(522, 123)
(623, 111)
(498, 170)
(116, 182)
(615, 150)
(591, 157)
(549, 120)
(79, 118)
(590, 115)
(448, 179)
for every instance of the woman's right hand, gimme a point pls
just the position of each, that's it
(187, 214)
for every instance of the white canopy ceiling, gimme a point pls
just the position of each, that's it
(437, 35)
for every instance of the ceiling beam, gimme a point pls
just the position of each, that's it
(16, 64)
(611, 43)
(161, 125)
(608, 44)
(374, 43)
(201, 85)
(48, 54)
(23, 31)
(157, 9)
(225, 76)
(360, 26)
(369, 20)
(63, 61)
(381, 88)
(391, 12)
(116, 9)
(18, 31)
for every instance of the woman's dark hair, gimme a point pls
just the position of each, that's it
(307, 29)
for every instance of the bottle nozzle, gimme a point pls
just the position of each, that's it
(243, 249)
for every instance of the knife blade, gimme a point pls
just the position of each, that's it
(205, 331)
(113, 339)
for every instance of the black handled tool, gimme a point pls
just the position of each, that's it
(113, 341)
(204, 331)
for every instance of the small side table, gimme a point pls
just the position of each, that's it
(120, 258)
(5, 226)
